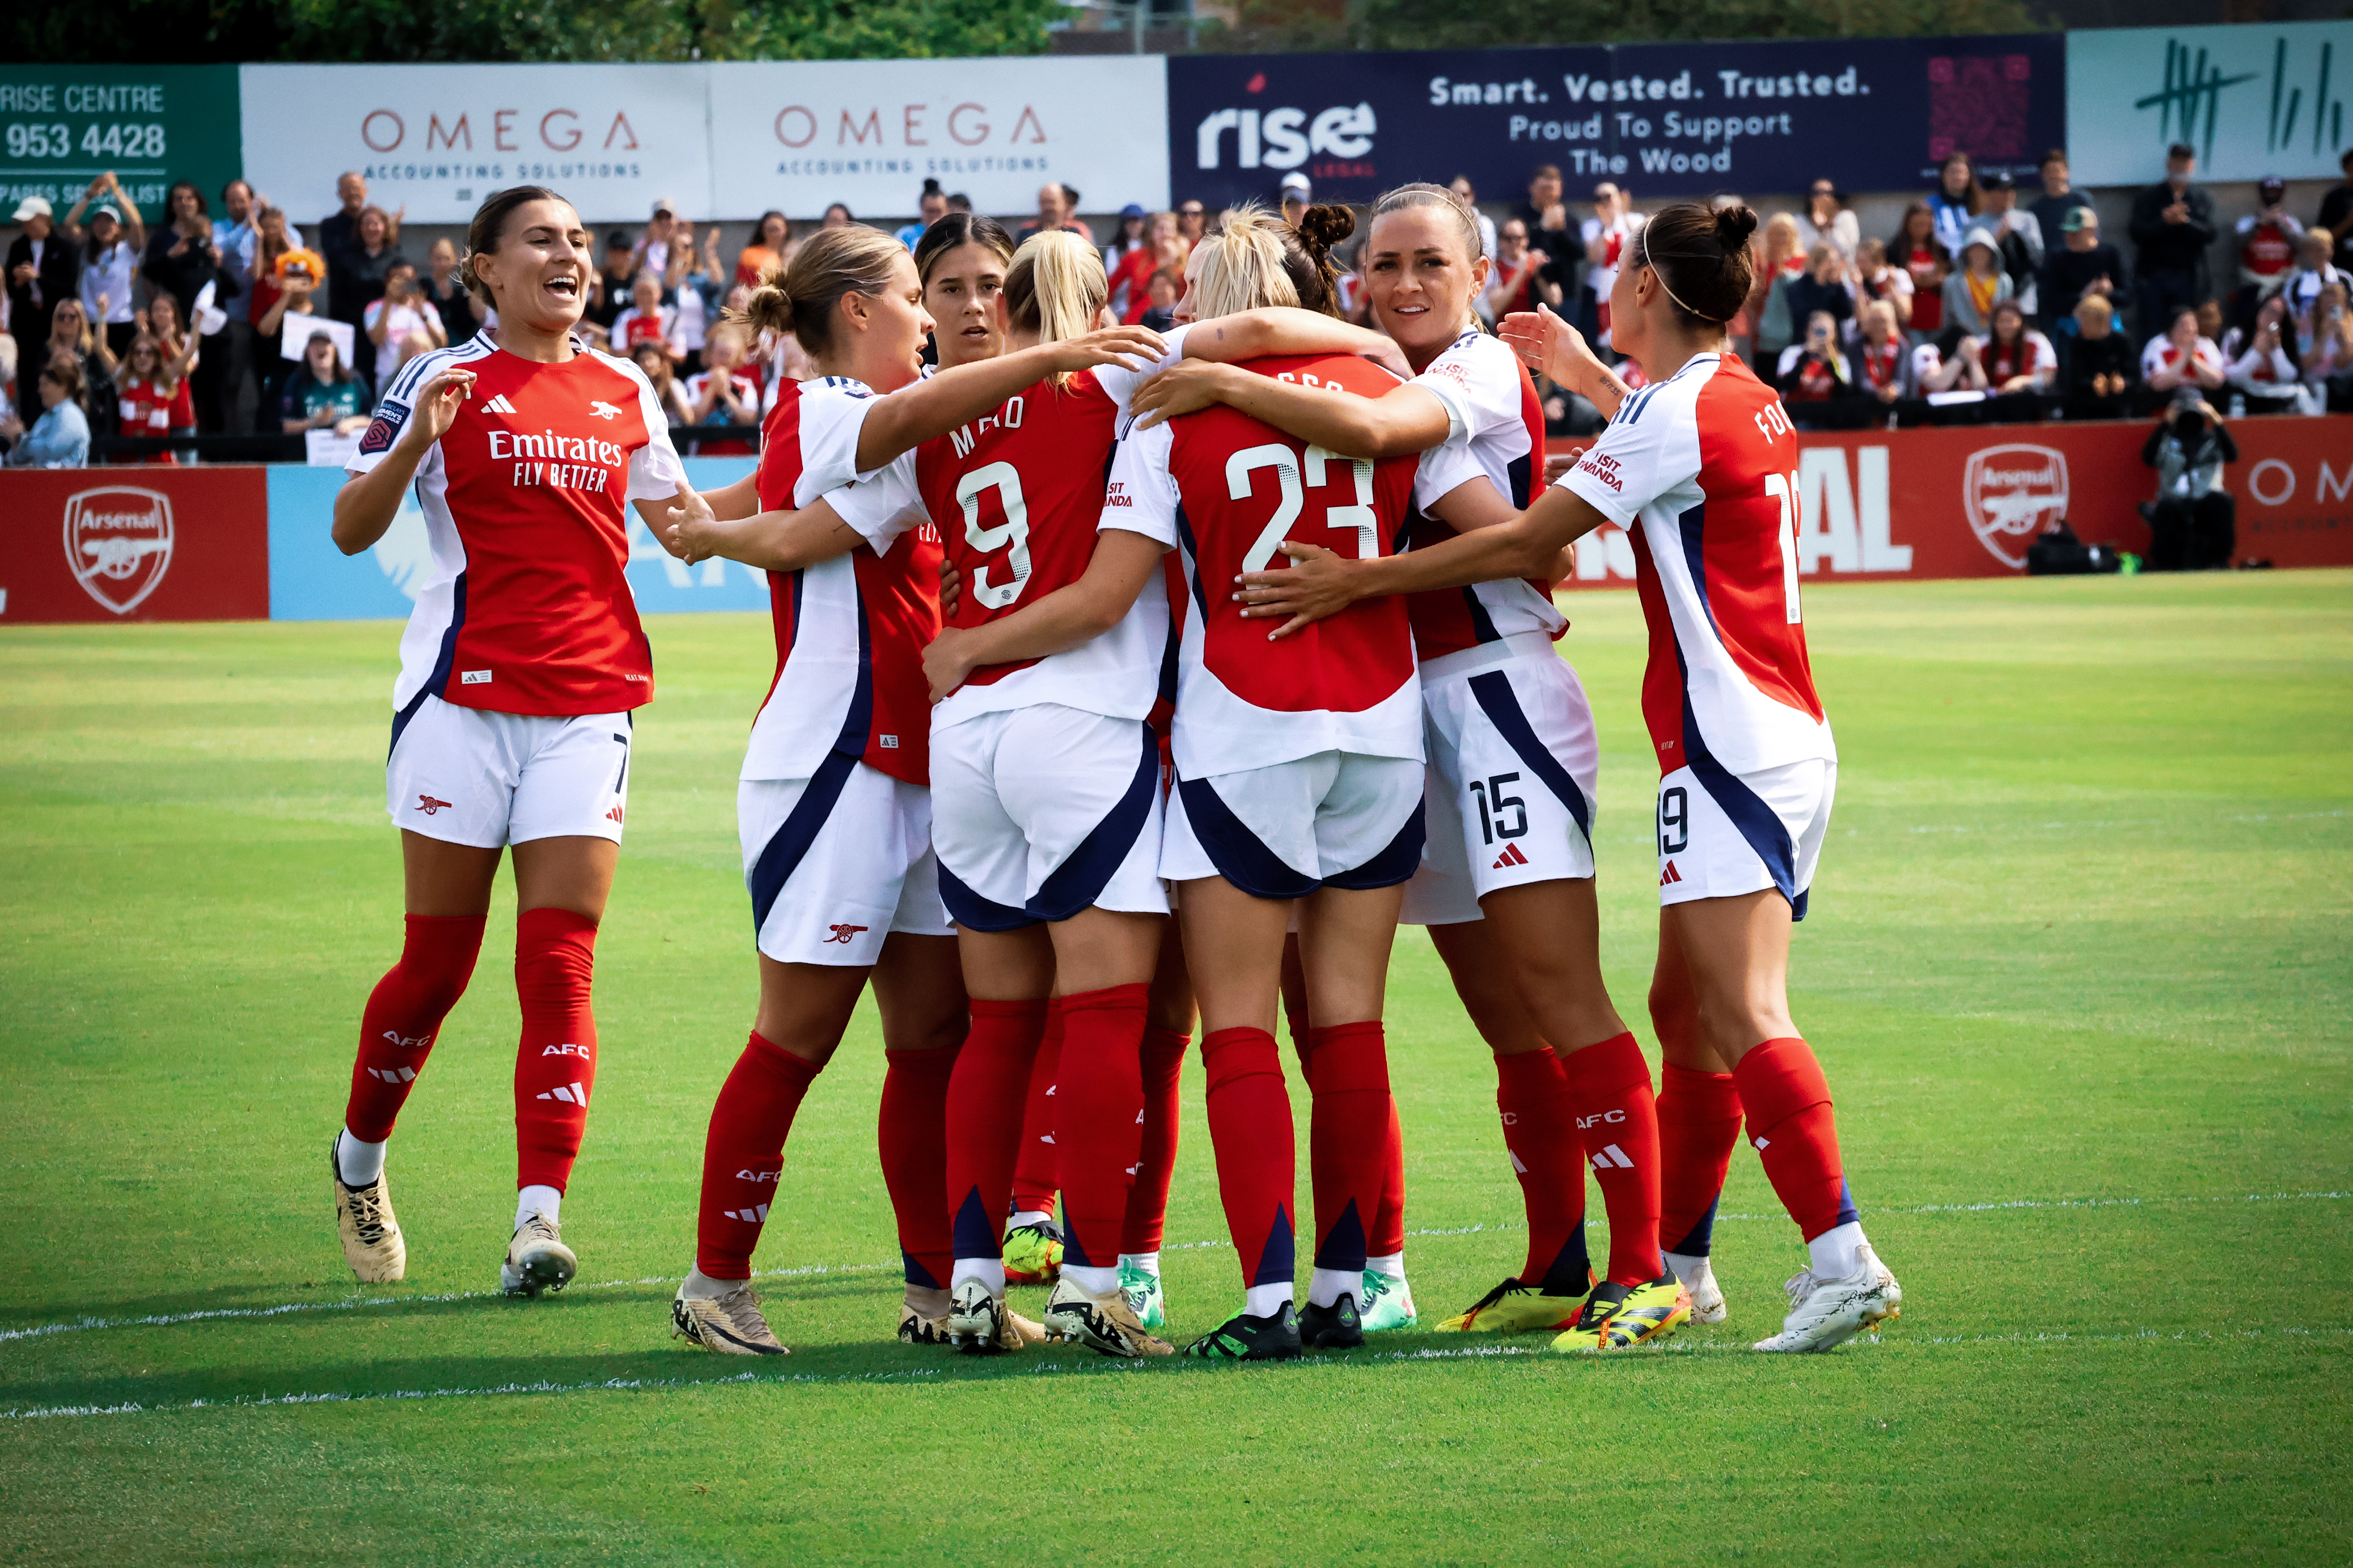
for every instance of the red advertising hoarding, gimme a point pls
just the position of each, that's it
(154, 544)
(1967, 502)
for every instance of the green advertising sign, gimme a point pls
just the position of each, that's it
(62, 126)
(2251, 100)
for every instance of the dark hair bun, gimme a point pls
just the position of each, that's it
(1323, 225)
(1734, 224)
(931, 187)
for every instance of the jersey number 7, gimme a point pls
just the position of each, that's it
(1359, 517)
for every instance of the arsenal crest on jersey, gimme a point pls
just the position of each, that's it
(2013, 493)
(119, 543)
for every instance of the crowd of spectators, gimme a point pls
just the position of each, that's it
(1980, 305)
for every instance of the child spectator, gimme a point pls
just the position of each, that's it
(1971, 293)
(1885, 363)
(647, 320)
(1927, 261)
(727, 393)
(2183, 357)
(151, 393)
(2301, 285)
(2098, 381)
(2014, 357)
(322, 392)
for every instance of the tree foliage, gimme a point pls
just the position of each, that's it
(405, 31)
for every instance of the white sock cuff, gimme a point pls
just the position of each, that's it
(1093, 1282)
(1389, 1263)
(989, 1271)
(702, 1287)
(1836, 1254)
(1147, 1261)
(1326, 1285)
(358, 1163)
(530, 1200)
(1265, 1301)
(1031, 1216)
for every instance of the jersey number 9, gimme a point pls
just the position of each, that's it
(1014, 530)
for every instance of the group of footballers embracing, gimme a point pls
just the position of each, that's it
(1085, 627)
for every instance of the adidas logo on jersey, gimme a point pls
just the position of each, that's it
(571, 1094)
(1612, 1158)
(499, 405)
(394, 1075)
(755, 1215)
(1509, 857)
(1669, 875)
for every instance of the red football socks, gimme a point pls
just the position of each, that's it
(742, 1155)
(1250, 1125)
(1162, 1059)
(1099, 1132)
(1789, 1122)
(1610, 1089)
(1547, 1155)
(984, 1120)
(1699, 1121)
(1348, 1138)
(910, 1133)
(1034, 1168)
(1389, 1219)
(555, 1066)
(404, 1014)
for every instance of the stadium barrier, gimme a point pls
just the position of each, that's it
(248, 543)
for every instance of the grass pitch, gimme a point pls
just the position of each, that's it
(2078, 970)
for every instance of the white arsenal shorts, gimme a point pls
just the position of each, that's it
(1722, 833)
(1332, 820)
(838, 861)
(466, 775)
(1512, 765)
(1038, 813)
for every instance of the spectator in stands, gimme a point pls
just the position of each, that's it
(2016, 235)
(1192, 223)
(1077, 226)
(1928, 262)
(1605, 237)
(60, 438)
(1054, 213)
(2084, 266)
(2172, 224)
(322, 392)
(2260, 365)
(336, 231)
(1461, 185)
(1877, 282)
(699, 298)
(446, 294)
(1549, 234)
(655, 249)
(1129, 261)
(727, 393)
(234, 239)
(1955, 204)
(2016, 358)
(2324, 340)
(1883, 360)
(296, 284)
(44, 271)
(402, 325)
(836, 216)
(765, 253)
(1971, 293)
(2097, 382)
(182, 258)
(7, 381)
(163, 321)
(109, 259)
(2051, 208)
(2183, 357)
(2335, 213)
(2267, 247)
(668, 391)
(1163, 291)
(2192, 523)
(609, 290)
(1298, 194)
(1813, 371)
(2301, 285)
(1769, 300)
(375, 251)
(1517, 281)
(1940, 371)
(151, 393)
(647, 320)
(1827, 221)
(1822, 287)
(930, 207)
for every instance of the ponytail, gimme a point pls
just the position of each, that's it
(1243, 265)
(1056, 288)
(798, 300)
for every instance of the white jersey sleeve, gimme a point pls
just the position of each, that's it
(1638, 459)
(1120, 382)
(655, 472)
(1477, 380)
(833, 412)
(1140, 495)
(881, 508)
(399, 400)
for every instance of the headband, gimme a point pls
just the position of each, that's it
(1642, 240)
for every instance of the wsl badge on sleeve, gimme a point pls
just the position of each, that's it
(383, 429)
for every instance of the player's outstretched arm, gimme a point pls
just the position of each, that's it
(937, 404)
(1407, 419)
(368, 502)
(1548, 345)
(1071, 614)
(1319, 583)
(768, 540)
(1289, 329)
